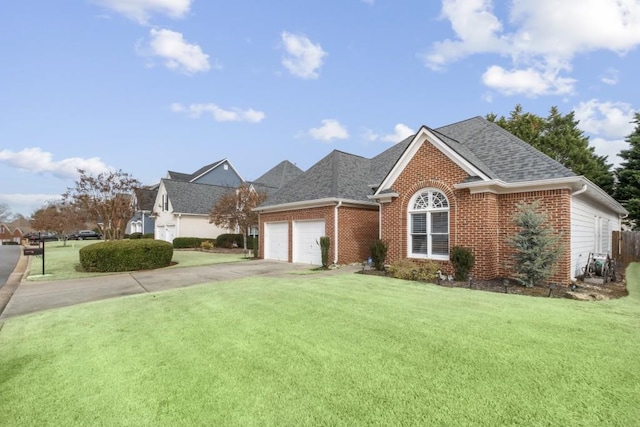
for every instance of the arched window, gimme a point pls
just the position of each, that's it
(428, 215)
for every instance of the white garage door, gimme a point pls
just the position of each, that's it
(306, 241)
(276, 241)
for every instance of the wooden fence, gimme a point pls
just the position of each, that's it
(626, 246)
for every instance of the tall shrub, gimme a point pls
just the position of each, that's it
(537, 248)
(463, 261)
(325, 243)
(378, 253)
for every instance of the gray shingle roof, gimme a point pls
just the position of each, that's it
(279, 175)
(193, 198)
(498, 153)
(491, 149)
(146, 197)
(338, 175)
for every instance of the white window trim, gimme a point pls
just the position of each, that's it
(411, 211)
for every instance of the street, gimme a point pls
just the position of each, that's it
(9, 255)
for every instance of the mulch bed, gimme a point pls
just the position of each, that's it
(587, 290)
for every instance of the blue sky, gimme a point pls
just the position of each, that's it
(147, 86)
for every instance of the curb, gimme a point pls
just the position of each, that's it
(14, 280)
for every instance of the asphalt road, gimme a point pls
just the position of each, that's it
(9, 255)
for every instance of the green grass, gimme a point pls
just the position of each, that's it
(62, 261)
(325, 350)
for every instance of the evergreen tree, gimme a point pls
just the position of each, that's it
(559, 137)
(628, 176)
(537, 248)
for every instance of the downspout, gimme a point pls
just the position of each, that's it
(178, 226)
(335, 232)
(379, 219)
(580, 191)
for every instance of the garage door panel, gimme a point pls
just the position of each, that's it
(276, 241)
(306, 238)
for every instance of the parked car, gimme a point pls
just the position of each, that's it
(36, 238)
(84, 235)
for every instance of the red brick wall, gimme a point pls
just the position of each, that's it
(358, 227)
(480, 222)
(556, 204)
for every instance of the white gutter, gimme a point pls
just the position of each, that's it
(178, 226)
(335, 232)
(316, 203)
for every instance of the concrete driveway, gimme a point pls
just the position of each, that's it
(30, 297)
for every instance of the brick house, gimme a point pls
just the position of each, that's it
(455, 185)
(6, 235)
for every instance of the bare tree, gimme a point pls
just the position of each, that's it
(5, 213)
(59, 217)
(107, 199)
(234, 210)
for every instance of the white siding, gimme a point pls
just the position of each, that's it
(591, 229)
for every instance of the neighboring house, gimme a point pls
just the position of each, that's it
(183, 201)
(6, 235)
(143, 221)
(455, 185)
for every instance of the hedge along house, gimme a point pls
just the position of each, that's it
(455, 185)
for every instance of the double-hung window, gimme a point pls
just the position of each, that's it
(428, 225)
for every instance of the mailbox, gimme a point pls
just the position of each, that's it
(33, 251)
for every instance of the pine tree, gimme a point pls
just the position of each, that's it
(628, 176)
(537, 248)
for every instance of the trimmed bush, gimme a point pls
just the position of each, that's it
(378, 253)
(411, 270)
(463, 261)
(148, 236)
(134, 236)
(231, 241)
(187, 242)
(126, 255)
(11, 242)
(206, 245)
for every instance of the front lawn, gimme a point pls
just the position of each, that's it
(325, 350)
(62, 260)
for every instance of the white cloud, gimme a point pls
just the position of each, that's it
(26, 204)
(304, 58)
(545, 37)
(35, 160)
(530, 82)
(400, 132)
(610, 76)
(178, 55)
(220, 114)
(608, 123)
(330, 129)
(141, 10)
(606, 119)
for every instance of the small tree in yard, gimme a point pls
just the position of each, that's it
(106, 198)
(537, 249)
(234, 210)
(59, 217)
(325, 244)
(378, 253)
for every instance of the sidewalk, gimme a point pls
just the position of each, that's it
(29, 297)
